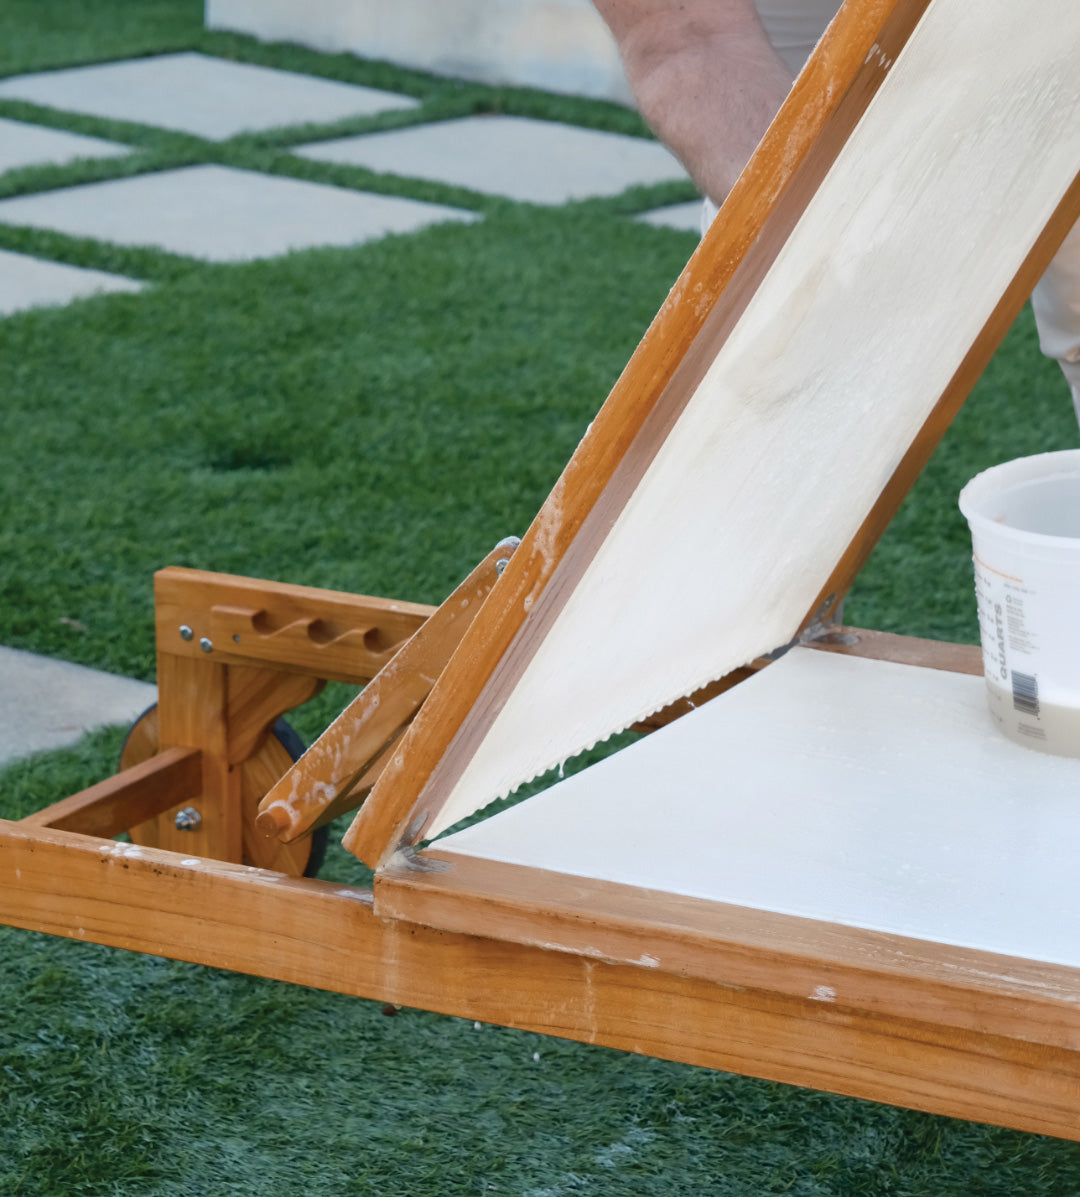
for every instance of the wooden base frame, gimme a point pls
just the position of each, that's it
(876, 1016)
(965, 1034)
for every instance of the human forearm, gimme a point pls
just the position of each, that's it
(705, 76)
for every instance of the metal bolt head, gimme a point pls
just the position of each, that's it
(188, 819)
(185, 632)
(206, 644)
(500, 565)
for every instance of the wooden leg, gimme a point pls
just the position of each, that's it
(226, 711)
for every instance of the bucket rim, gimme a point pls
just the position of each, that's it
(1038, 467)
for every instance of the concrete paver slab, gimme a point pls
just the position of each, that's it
(46, 703)
(27, 282)
(523, 159)
(195, 93)
(686, 217)
(222, 214)
(34, 145)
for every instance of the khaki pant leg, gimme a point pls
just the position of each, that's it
(1056, 301)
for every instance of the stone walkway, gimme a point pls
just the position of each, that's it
(222, 214)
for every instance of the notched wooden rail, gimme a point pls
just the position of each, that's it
(331, 634)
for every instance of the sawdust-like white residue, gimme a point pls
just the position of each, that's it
(324, 791)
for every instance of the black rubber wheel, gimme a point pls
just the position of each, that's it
(289, 739)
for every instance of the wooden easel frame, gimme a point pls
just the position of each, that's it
(835, 89)
(957, 1032)
(962, 1033)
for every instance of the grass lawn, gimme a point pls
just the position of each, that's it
(373, 420)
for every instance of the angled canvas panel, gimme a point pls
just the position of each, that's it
(886, 233)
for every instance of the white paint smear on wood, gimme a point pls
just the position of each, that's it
(799, 792)
(883, 286)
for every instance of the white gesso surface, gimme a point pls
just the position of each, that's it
(223, 214)
(842, 352)
(196, 93)
(859, 792)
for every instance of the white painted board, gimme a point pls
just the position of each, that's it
(859, 792)
(841, 354)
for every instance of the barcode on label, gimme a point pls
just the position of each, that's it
(1025, 690)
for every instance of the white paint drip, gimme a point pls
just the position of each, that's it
(823, 993)
(126, 851)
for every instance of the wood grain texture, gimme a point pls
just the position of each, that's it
(875, 972)
(250, 757)
(130, 797)
(192, 712)
(904, 650)
(257, 774)
(326, 633)
(255, 699)
(328, 936)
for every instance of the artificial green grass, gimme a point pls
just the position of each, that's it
(374, 420)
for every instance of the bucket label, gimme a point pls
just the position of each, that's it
(1013, 663)
(1004, 625)
(1025, 529)
(1010, 652)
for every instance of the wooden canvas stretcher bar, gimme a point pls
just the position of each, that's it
(954, 1030)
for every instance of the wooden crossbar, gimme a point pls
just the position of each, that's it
(128, 798)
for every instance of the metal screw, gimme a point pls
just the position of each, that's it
(206, 644)
(188, 819)
(500, 565)
(185, 632)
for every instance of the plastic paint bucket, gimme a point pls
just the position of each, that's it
(1025, 528)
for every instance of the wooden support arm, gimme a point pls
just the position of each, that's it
(339, 769)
